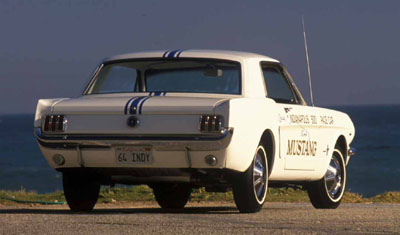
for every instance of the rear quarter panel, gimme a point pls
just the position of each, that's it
(249, 117)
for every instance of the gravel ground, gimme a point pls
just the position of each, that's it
(201, 218)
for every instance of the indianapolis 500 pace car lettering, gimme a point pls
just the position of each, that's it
(178, 120)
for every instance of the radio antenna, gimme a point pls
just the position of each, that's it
(308, 61)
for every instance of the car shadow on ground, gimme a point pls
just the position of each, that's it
(189, 210)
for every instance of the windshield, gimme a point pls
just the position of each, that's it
(161, 75)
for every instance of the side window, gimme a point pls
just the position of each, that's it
(277, 85)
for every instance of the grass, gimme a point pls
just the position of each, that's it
(23, 195)
(144, 193)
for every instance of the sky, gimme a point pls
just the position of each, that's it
(49, 48)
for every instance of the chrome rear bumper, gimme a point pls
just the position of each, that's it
(212, 141)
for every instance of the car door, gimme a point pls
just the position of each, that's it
(297, 122)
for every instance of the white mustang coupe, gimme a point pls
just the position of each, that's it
(183, 119)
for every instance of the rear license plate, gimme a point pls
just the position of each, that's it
(133, 155)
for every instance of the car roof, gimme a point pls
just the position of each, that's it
(193, 53)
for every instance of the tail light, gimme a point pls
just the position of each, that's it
(54, 123)
(210, 123)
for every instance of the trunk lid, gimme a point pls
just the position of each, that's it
(156, 114)
(136, 105)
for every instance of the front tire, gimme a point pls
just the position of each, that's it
(250, 187)
(172, 196)
(327, 193)
(81, 191)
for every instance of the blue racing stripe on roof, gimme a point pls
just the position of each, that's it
(165, 54)
(172, 54)
(157, 93)
(133, 108)
(179, 53)
(141, 105)
(127, 103)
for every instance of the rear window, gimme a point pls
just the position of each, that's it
(115, 78)
(164, 75)
(194, 80)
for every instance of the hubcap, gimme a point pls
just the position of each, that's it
(334, 178)
(259, 175)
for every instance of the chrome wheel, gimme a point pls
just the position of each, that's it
(260, 175)
(250, 187)
(327, 193)
(334, 177)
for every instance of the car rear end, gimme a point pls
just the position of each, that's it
(143, 121)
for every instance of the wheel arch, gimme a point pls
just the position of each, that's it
(338, 140)
(267, 140)
(341, 143)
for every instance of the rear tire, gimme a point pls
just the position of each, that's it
(250, 187)
(327, 193)
(172, 196)
(81, 191)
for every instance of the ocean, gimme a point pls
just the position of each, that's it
(375, 169)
